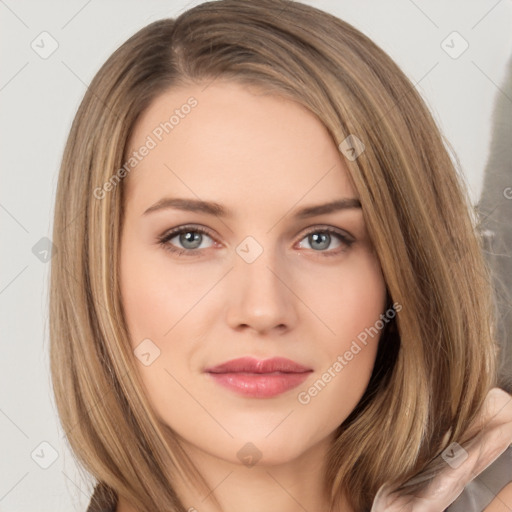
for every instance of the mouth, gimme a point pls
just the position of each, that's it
(255, 378)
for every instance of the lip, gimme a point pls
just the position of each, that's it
(256, 378)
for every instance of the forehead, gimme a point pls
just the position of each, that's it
(232, 142)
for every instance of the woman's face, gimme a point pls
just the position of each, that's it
(265, 279)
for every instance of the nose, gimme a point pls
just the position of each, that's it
(261, 296)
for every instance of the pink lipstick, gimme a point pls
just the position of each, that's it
(259, 378)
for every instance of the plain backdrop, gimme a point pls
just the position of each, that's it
(39, 95)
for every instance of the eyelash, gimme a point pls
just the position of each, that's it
(164, 239)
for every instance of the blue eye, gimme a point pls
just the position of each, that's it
(321, 238)
(190, 238)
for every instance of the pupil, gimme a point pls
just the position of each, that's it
(190, 237)
(324, 239)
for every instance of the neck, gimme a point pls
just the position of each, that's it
(293, 486)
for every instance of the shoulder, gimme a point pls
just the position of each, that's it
(492, 488)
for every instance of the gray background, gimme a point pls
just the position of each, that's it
(39, 97)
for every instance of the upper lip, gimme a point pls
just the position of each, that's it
(252, 365)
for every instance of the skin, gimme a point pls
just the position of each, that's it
(263, 158)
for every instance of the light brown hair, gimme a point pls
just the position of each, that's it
(433, 369)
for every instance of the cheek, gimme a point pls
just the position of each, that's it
(352, 303)
(145, 301)
(348, 299)
(155, 300)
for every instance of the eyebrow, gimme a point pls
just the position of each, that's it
(212, 208)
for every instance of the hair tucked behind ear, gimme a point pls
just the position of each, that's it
(434, 366)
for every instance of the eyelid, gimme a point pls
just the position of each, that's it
(184, 227)
(330, 229)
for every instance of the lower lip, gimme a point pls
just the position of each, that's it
(260, 385)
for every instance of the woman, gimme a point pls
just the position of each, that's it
(269, 292)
